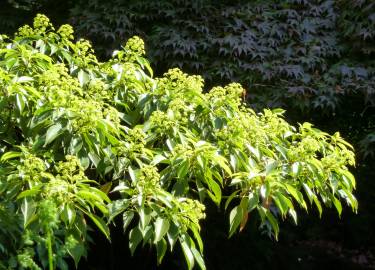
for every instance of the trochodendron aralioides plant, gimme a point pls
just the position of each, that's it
(83, 142)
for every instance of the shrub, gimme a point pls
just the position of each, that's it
(83, 142)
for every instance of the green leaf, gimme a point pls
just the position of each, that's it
(100, 224)
(273, 222)
(183, 169)
(10, 155)
(215, 187)
(235, 218)
(106, 188)
(198, 258)
(222, 162)
(147, 233)
(270, 167)
(346, 174)
(30, 192)
(93, 194)
(296, 195)
(296, 168)
(161, 228)
(230, 198)
(132, 174)
(233, 162)
(197, 237)
(28, 211)
(318, 205)
(83, 77)
(172, 235)
(283, 203)
(158, 159)
(265, 190)
(293, 214)
(309, 192)
(254, 151)
(145, 217)
(20, 103)
(95, 159)
(23, 79)
(253, 201)
(69, 213)
(76, 252)
(282, 150)
(52, 133)
(189, 257)
(127, 217)
(337, 205)
(85, 162)
(135, 237)
(117, 207)
(161, 248)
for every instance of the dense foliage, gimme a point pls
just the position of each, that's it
(84, 142)
(311, 56)
(315, 57)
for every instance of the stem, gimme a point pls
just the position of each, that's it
(49, 247)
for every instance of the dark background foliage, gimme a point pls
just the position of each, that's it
(314, 58)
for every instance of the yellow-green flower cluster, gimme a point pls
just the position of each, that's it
(31, 169)
(180, 110)
(136, 135)
(97, 89)
(41, 26)
(134, 47)
(66, 32)
(234, 90)
(59, 189)
(308, 145)
(184, 151)
(244, 128)
(273, 124)
(256, 134)
(191, 211)
(85, 114)
(223, 98)
(71, 169)
(148, 180)
(83, 108)
(112, 115)
(229, 95)
(134, 144)
(42, 23)
(160, 122)
(62, 187)
(85, 52)
(337, 159)
(25, 31)
(176, 83)
(59, 87)
(70, 243)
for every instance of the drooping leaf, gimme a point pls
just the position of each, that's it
(161, 228)
(52, 133)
